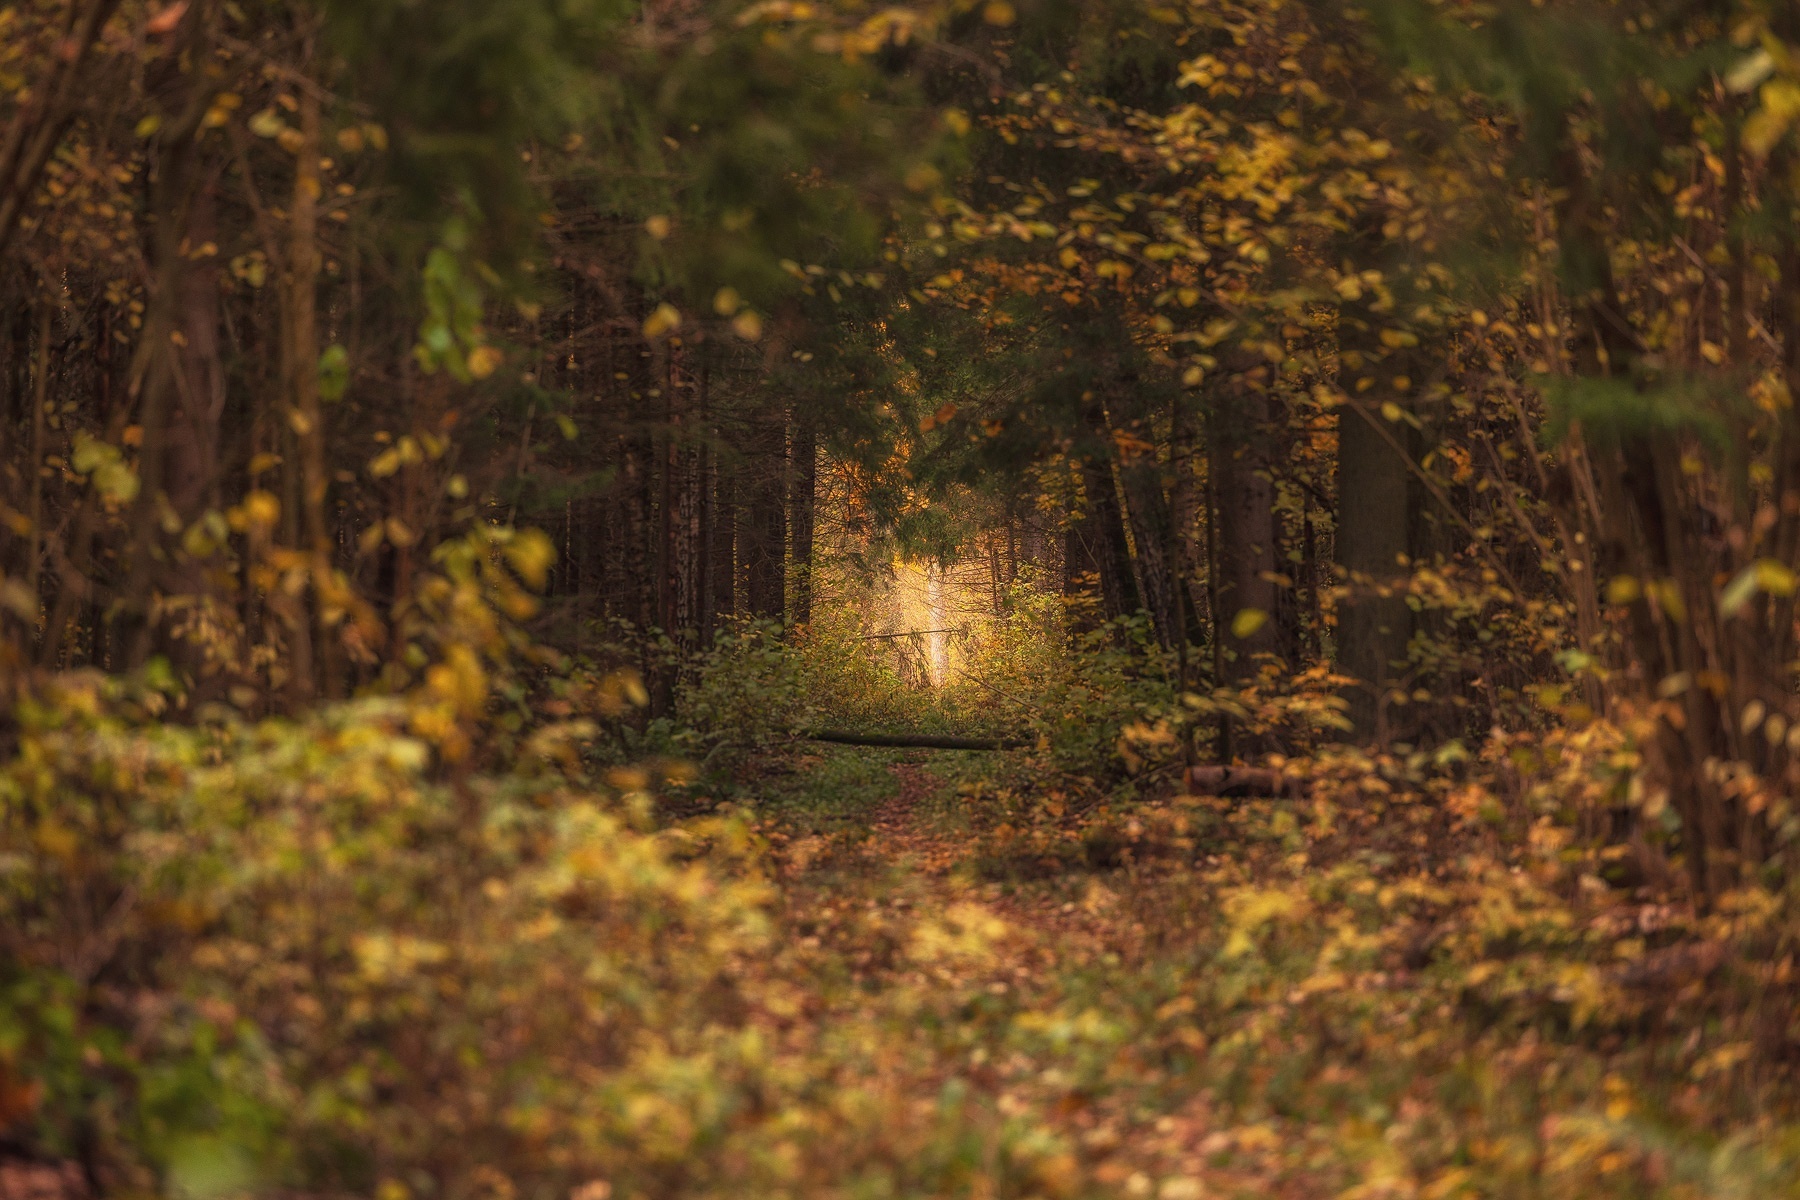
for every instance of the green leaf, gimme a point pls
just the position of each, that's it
(334, 374)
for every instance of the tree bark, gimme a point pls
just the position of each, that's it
(1246, 528)
(1156, 537)
(1374, 623)
(802, 505)
(1104, 549)
(723, 552)
(765, 526)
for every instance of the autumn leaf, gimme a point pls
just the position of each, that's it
(165, 19)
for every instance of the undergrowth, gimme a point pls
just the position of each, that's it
(412, 947)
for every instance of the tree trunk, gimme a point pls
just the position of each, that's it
(1106, 548)
(723, 571)
(1374, 622)
(802, 501)
(765, 525)
(1246, 590)
(1152, 527)
(1081, 574)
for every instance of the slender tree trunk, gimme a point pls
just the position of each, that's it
(661, 673)
(765, 525)
(40, 399)
(1097, 575)
(1187, 554)
(996, 592)
(938, 640)
(1081, 573)
(1152, 526)
(707, 530)
(802, 507)
(314, 667)
(1224, 748)
(1107, 546)
(724, 545)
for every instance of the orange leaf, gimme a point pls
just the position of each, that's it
(167, 18)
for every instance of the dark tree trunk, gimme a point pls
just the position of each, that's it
(723, 572)
(1247, 593)
(1152, 525)
(1081, 574)
(802, 501)
(764, 531)
(1374, 622)
(1106, 548)
(1096, 555)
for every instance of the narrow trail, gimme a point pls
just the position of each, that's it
(902, 834)
(1059, 928)
(1050, 926)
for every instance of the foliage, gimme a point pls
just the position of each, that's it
(452, 456)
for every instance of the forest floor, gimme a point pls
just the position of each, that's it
(1243, 1003)
(1065, 960)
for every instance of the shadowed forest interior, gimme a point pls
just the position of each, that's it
(990, 599)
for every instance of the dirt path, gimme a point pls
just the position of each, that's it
(904, 835)
(1052, 925)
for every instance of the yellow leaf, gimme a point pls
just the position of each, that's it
(484, 361)
(664, 321)
(1667, 594)
(748, 326)
(1396, 339)
(1248, 621)
(999, 12)
(262, 509)
(922, 177)
(727, 301)
(1765, 575)
(531, 552)
(1623, 590)
(658, 227)
(1775, 578)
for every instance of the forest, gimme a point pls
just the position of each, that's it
(978, 599)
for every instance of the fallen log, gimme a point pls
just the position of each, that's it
(911, 741)
(1239, 781)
